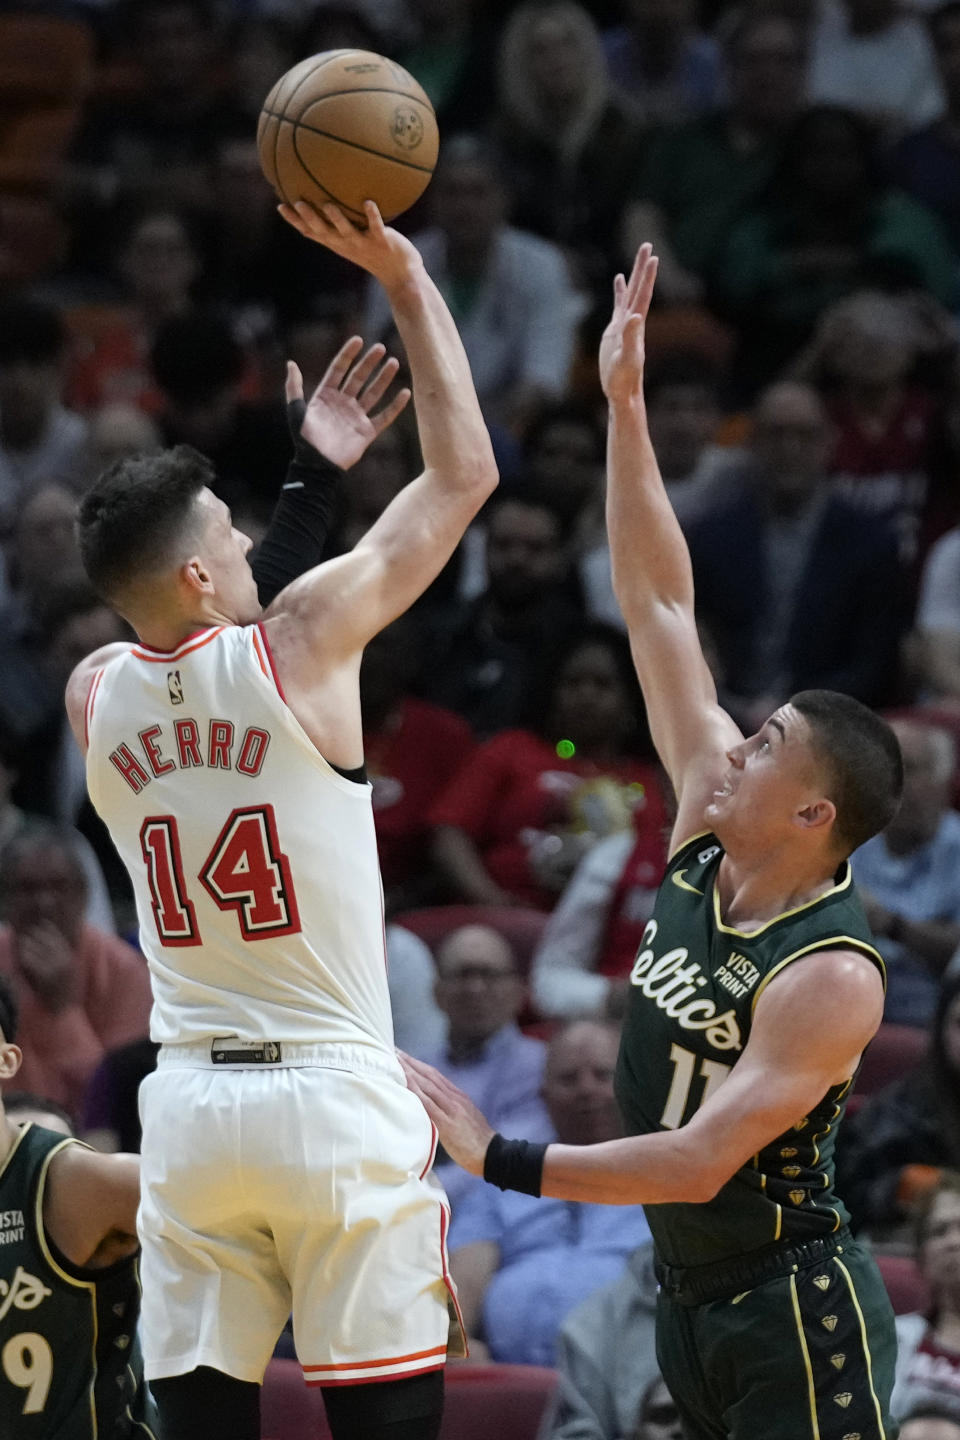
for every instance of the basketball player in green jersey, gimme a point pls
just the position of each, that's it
(70, 1366)
(753, 995)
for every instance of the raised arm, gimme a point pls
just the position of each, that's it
(652, 575)
(796, 1052)
(358, 594)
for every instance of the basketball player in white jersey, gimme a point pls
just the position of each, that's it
(284, 1160)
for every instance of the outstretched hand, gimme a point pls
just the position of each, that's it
(384, 252)
(464, 1132)
(340, 421)
(622, 347)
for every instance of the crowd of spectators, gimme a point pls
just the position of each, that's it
(797, 165)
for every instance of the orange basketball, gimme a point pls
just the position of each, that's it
(348, 126)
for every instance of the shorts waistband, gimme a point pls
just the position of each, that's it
(722, 1279)
(227, 1052)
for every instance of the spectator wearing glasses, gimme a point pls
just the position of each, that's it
(480, 991)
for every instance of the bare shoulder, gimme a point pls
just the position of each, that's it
(78, 686)
(90, 1197)
(824, 1006)
(90, 1173)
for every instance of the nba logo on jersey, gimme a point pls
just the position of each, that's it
(175, 687)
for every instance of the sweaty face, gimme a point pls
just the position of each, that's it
(224, 550)
(770, 776)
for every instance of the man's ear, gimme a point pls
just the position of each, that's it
(11, 1058)
(195, 576)
(816, 815)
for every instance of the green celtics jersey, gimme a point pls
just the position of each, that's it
(70, 1366)
(694, 985)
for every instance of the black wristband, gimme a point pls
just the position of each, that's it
(514, 1165)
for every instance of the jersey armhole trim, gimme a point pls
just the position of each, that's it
(265, 656)
(678, 850)
(57, 1262)
(830, 942)
(88, 708)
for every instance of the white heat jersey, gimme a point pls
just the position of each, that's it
(253, 861)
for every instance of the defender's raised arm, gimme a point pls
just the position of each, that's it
(652, 577)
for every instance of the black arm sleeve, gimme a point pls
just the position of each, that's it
(303, 516)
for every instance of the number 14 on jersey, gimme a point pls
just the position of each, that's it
(245, 871)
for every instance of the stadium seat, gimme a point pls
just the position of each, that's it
(521, 927)
(495, 1402)
(483, 1402)
(893, 1051)
(905, 1285)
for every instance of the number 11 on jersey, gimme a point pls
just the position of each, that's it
(712, 1073)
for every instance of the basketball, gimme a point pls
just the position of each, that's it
(348, 126)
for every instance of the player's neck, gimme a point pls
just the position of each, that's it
(753, 892)
(9, 1135)
(168, 632)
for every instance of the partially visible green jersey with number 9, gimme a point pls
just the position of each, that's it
(70, 1365)
(694, 986)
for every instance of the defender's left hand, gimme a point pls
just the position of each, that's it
(464, 1132)
(339, 420)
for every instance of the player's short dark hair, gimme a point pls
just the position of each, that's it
(137, 512)
(15, 1102)
(31, 332)
(861, 758)
(9, 1011)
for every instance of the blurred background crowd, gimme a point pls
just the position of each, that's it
(797, 165)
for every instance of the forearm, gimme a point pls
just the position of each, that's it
(654, 1169)
(299, 527)
(649, 558)
(453, 437)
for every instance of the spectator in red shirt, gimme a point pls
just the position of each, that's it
(80, 991)
(522, 811)
(412, 749)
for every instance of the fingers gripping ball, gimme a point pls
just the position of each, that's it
(348, 126)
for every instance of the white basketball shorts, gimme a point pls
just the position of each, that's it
(300, 1186)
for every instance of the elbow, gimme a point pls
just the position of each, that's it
(706, 1187)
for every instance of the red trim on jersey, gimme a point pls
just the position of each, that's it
(272, 662)
(88, 708)
(381, 1379)
(434, 1137)
(186, 647)
(451, 1288)
(258, 649)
